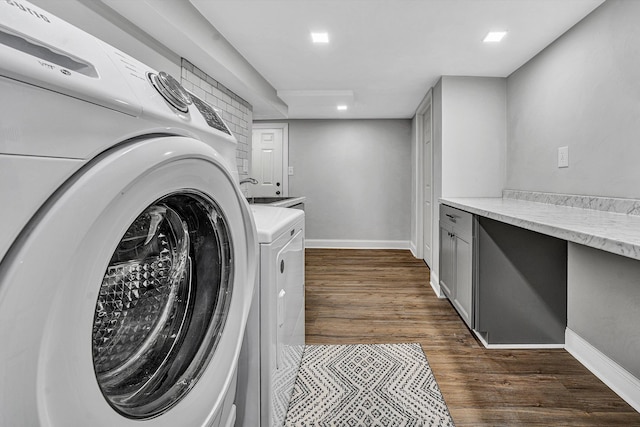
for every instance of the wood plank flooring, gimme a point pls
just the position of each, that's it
(383, 296)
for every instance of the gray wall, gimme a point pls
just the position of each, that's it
(356, 176)
(584, 92)
(604, 303)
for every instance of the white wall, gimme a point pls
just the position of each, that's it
(469, 143)
(583, 92)
(356, 176)
(473, 136)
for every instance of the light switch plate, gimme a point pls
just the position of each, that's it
(563, 157)
(290, 170)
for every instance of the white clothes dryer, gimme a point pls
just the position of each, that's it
(275, 336)
(128, 253)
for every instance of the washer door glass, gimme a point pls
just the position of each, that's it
(162, 304)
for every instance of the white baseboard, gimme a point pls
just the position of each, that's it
(611, 373)
(515, 346)
(435, 284)
(357, 244)
(413, 249)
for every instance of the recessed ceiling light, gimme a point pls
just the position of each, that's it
(320, 37)
(494, 36)
(342, 107)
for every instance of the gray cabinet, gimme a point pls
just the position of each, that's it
(508, 284)
(456, 260)
(447, 260)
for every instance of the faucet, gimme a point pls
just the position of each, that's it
(249, 180)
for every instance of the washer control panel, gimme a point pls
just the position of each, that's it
(210, 115)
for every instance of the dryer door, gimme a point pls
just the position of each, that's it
(125, 299)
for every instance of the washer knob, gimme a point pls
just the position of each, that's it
(171, 90)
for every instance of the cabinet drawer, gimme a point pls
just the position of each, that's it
(460, 221)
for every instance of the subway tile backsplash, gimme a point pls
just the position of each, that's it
(236, 112)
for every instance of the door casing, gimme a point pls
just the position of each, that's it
(422, 169)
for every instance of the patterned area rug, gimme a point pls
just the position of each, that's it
(366, 385)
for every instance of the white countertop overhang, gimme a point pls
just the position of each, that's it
(289, 202)
(612, 232)
(271, 221)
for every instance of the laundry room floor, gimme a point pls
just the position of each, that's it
(383, 296)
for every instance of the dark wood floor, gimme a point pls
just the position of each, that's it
(383, 296)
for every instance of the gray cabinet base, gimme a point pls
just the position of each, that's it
(521, 287)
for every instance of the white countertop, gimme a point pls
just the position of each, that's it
(612, 232)
(271, 221)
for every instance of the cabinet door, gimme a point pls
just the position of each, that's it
(463, 296)
(447, 261)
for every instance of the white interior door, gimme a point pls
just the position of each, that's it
(267, 156)
(427, 211)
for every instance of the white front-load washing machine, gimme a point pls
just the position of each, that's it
(128, 253)
(275, 336)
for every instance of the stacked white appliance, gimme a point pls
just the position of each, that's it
(275, 337)
(128, 254)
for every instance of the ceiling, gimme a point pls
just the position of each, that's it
(383, 55)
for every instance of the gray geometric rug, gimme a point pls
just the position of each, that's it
(366, 385)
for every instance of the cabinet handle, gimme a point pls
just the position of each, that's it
(453, 218)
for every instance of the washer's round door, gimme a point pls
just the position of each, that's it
(124, 301)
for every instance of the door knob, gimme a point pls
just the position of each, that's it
(277, 184)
